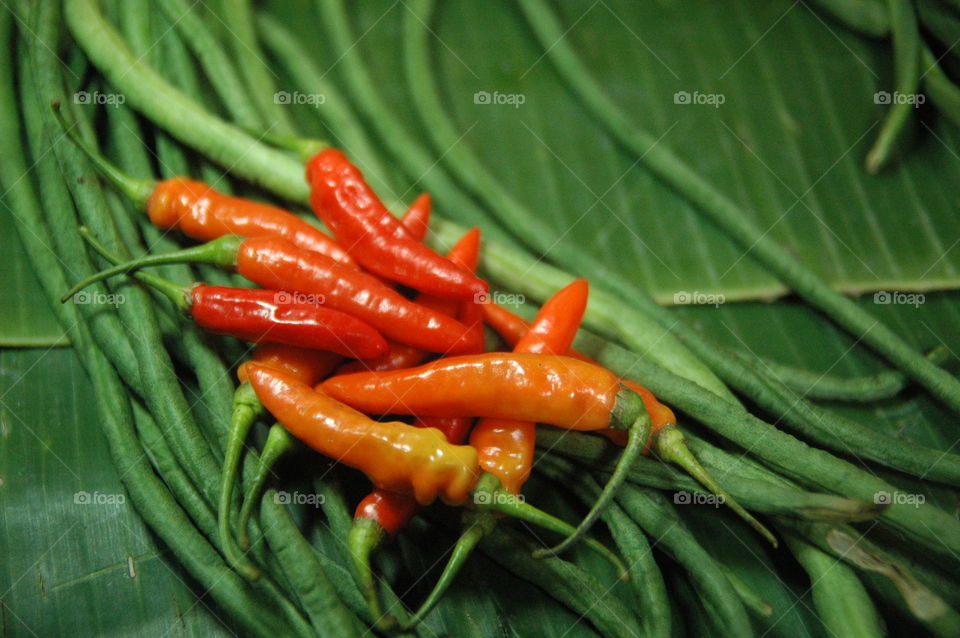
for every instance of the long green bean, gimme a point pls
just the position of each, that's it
(658, 520)
(839, 597)
(848, 544)
(926, 524)
(147, 492)
(645, 577)
(237, 17)
(216, 65)
(757, 495)
(906, 71)
(861, 389)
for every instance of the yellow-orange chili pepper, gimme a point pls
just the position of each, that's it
(395, 456)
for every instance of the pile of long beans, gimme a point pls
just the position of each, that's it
(169, 447)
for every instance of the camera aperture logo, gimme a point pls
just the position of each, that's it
(899, 498)
(897, 298)
(500, 298)
(285, 298)
(697, 298)
(484, 497)
(698, 98)
(499, 99)
(87, 297)
(99, 99)
(298, 498)
(98, 498)
(696, 498)
(311, 99)
(887, 98)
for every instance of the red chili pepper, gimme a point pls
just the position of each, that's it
(465, 253)
(374, 237)
(416, 220)
(275, 263)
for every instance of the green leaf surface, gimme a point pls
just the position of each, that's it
(788, 141)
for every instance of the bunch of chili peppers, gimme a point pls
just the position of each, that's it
(373, 323)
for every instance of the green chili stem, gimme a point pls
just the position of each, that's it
(729, 217)
(246, 408)
(759, 495)
(137, 190)
(279, 443)
(487, 495)
(669, 445)
(645, 577)
(632, 416)
(365, 535)
(220, 252)
(476, 525)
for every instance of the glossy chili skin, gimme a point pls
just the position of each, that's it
(505, 447)
(273, 262)
(418, 462)
(391, 510)
(562, 391)
(305, 364)
(393, 513)
(466, 253)
(511, 327)
(416, 220)
(271, 315)
(203, 213)
(374, 237)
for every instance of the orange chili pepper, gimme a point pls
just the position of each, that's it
(561, 391)
(505, 447)
(512, 327)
